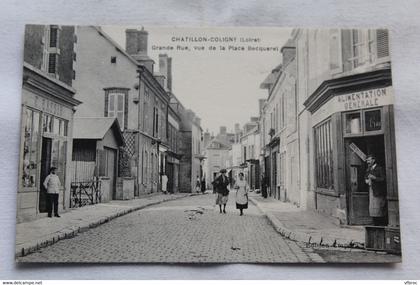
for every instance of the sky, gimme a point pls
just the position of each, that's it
(221, 86)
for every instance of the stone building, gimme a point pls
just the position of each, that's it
(47, 116)
(280, 137)
(114, 82)
(216, 158)
(250, 153)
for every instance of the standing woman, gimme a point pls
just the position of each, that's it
(221, 185)
(242, 189)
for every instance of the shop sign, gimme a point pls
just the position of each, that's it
(364, 99)
(354, 101)
(358, 151)
(48, 106)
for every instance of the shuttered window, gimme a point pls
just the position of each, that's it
(52, 63)
(382, 43)
(116, 101)
(53, 36)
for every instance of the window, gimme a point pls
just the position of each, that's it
(52, 63)
(51, 49)
(115, 106)
(363, 122)
(113, 59)
(324, 156)
(353, 123)
(368, 46)
(53, 36)
(155, 122)
(373, 120)
(30, 148)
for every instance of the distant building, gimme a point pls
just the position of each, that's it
(216, 158)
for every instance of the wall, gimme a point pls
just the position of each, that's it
(94, 72)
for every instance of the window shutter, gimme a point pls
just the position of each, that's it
(125, 110)
(382, 43)
(336, 65)
(106, 104)
(346, 44)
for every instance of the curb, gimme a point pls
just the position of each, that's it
(309, 240)
(30, 247)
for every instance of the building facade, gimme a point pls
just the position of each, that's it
(119, 83)
(47, 117)
(216, 158)
(280, 138)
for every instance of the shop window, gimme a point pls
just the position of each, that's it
(30, 148)
(324, 156)
(373, 120)
(363, 122)
(353, 123)
(47, 123)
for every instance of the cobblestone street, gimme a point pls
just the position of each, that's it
(184, 230)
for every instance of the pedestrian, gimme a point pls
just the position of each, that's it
(375, 179)
(242, 189)
(203, 185)
(264, 185)
(52, 184)
(198, 185)
(164, 183)
(221, 184)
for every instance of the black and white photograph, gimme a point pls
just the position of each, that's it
(154, 144)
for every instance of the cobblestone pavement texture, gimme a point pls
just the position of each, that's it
(45, 231)
(186, 230)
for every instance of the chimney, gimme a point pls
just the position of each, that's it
(142, 36)
(165, 68)
(206, 138)
(237, 128)
(136, 46)
(288, 51)
(131, 41)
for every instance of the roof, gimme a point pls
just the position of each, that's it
(271, 78)
(223, 145)
(114, 43)
(96, 128)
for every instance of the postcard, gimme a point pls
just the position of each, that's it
(207, 145)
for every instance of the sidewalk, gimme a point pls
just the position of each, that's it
(33, 235)
(308, 226)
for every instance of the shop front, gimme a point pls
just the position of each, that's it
(46, 140)
(352, 119)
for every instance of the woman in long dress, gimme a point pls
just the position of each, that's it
(242, 189)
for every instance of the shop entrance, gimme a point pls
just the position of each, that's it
(357, 190)
(45, 170)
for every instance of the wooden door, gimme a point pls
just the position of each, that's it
(111, 169)
(358, 191)
(45, 170)
(170, 174)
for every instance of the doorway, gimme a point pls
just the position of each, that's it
(111, 169)
(45, 170)
(357, 189)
